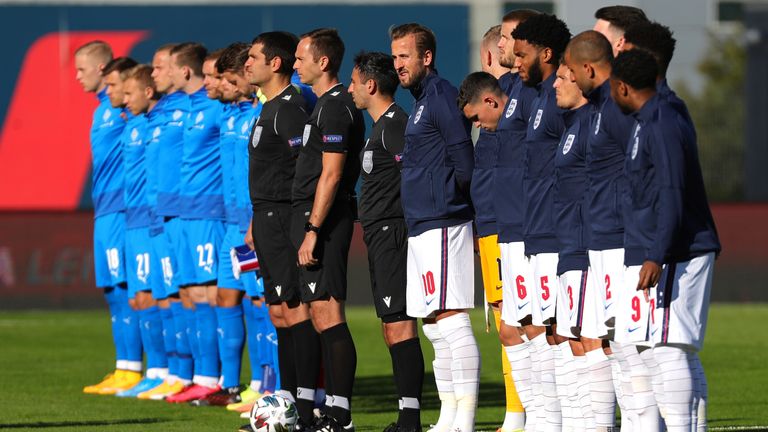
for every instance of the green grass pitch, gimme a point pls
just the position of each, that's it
(47, 357)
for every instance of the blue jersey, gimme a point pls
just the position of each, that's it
(174, 109)
(200, 196)
(437, 159)
(545, 127)
(481, 188)
(571, 186)
(510, 162)
(134, 142)
(606, 146)
(671, 97)
(666, 201)
(152, 133)
(107, 181)
(244, 124)
(232, 129)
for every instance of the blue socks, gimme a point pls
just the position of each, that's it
(183, 350)
(208, 343)
(114, 301)
(252, 323)
(132, 335)
(152, 337)
(169, 340)
(191, 330)
(231, 333)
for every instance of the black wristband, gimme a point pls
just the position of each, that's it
(309, 227)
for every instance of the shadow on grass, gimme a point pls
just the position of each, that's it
(377, 394)
(74, 424)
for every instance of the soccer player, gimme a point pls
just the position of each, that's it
(275, 141)
(588, 56)
(539, 42)
(109, 214)
(613, 21)
(436, 172)
(163, 156)
(201, 209)
(657, 40)
(510, 210)
(139, 99)
(570, 210)
(673, 223)
(324, 210)
(373, 85)
(486, 227)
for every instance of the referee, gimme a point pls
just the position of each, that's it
(373, 86)
(324, 207)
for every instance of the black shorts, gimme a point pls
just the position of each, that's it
(329, 277)
(387, 243)
(277, 255)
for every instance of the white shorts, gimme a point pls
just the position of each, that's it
(546, 287)
(608, 271)
(592, 324)
(682, 303)
(517, 280)
(633, 312)
(441, 271)
(570, 302)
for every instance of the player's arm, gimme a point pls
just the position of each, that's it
(668, 160)
(393, 139)
(335, 124)
(454, 128)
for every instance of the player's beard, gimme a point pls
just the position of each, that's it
(535, 75)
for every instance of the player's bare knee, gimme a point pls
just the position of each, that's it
(226, 297)
(399, 331)
(326, 313)
(509, 335)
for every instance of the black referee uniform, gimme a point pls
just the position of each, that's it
(276, 139)
(381, 214)
(337, 126)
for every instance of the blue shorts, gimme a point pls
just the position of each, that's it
(199, 261)
(250, 282)
(108, 248)
(174, 235)
(163, 263)
(137, 254)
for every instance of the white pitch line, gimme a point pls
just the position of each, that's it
(739, 428)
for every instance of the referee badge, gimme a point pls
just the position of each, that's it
(568, 143)
(537, 120)
(368, 161)
(307, 132)
(256, 136)
(511, 108)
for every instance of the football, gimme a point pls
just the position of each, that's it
(274, 413)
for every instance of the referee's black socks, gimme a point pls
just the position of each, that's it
(342, 363)
(408, 370)
(306, 344)
(285, 360)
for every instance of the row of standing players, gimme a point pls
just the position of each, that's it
(302, 192)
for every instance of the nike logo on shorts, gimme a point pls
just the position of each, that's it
(521, 307)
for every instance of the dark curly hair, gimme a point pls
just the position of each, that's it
(544, 30)
(656, 39)
(379, 67)
(636, 68)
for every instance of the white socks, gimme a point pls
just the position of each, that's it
(645, 411)
(441, 367)
(678, 387)
(701, 394)
(520, 362)
(586, 419)
(601, 390)
(565, 376)
(456, 330)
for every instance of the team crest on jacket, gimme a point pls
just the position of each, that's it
(244, 127)
(511, 108)
(231, 123)
(156, 133)
(634, 147)
(307, 132)
(134, 134)
(256, 136)
(177, 114)
(107, 115)
(537, 120)
(418, 114)
(200, 117)
(568, 143)
(368, 161)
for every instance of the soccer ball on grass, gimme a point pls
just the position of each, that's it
(274, 413)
